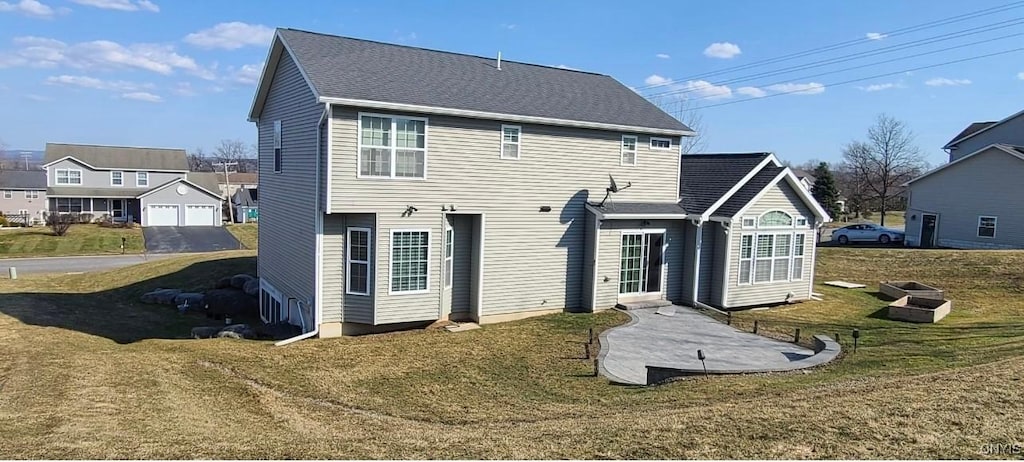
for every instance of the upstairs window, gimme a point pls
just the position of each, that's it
(142, 179)
(628, 151)
(8, 194)
(116, 178)
(67, 176)
(661, 144)
(986, 226)
(510, 141)
(392, 147)
(31, 194)
(278, 161)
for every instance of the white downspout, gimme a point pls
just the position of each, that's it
(317, 307)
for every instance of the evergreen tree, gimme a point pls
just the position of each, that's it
(825, 190)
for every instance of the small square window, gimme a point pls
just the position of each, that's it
(986, 226)
(801, 221)
(749, 222)
(8, 194)
(661, 144)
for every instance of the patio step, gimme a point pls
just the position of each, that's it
(643, 305)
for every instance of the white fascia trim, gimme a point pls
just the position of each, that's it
(955, 142)
(788, 175)
(739, 184)
(637, 216)
(469, 113)
(179, 180)
(267, 75)
(79, 161)
(330, 158)
(1001, 147)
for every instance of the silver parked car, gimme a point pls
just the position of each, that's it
(866, 232)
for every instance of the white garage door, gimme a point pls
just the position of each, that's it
(200, 215)
(162, 215)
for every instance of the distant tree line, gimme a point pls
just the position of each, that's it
(227, 151)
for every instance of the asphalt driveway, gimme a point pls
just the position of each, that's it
(187, 239)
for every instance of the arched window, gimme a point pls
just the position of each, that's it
(776, 218)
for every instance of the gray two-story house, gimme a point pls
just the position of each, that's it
(400, 186)
(975, 200)
(23, 195)
(149, 186)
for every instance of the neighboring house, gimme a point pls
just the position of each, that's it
(150, 186)
(23, 192)
(980, 135)
(235, 181)
(806, 178)
(401, 186)
(245, 205)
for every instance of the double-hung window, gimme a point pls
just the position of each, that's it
(68, 176)
(358, 257)
(986, 226)
(510, 141)
(746, 257)
(449, 254)
(278, 160)
(8, 194)
(410, 261)
(799, 240)
(628, 150)
(31, 194)
(392, 147)
(117, 178)
(142, 179)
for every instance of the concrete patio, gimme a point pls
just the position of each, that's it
(668, 346)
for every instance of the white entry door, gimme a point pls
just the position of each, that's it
(200, 215)
(162, 215)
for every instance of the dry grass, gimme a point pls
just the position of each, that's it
(246, 233)
(87, 239)
(74, 384)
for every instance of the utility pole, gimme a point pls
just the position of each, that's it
(227, 186)
(26, 157)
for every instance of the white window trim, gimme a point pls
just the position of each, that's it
(31, 194)
(750, 271)
(744, 225)
(278, 147)
(519, 144)
(274, 294)
(643, 270)
(623, 151)
(138, 180)
(391, 259)
(449, 260)
(394, 132)
(791, 225)
(771, 275)
(794, 256)
(9, 194)
(112, 172)
(349, 260)
(67, 171)
(656, 138)
(796, 221)
(995, 226)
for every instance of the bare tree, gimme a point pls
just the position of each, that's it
(886, 160)
(198, 161)
(3, 154)
(682, 108)
(235, 151)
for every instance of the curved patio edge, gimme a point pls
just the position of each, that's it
(825, 350)
(603, 339)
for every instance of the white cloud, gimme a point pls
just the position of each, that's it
(231, 36)
(705, 89)
(752, 92)
(875, 36)
(944, 82)
(701, 89)
(656, 80)
(248, 74)
(810, 88)
(101, 54)
(722, 50)
(184, 89)
(881, 86)
(82, 81)
(1020, 76)
(662, 56)
(142, 96)
(121, 5)
(32, 8)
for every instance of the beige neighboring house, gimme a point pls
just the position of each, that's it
(235, 181)
(149, 186)
(423, 185)
(23, 192)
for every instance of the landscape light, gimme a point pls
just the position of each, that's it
(701, 357)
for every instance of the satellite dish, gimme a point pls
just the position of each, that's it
(612, 188)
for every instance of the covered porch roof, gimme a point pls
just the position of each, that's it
(638, 210)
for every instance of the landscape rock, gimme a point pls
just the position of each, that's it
(161, 296)
(237, 331)
(196, 301)
(205, 332)
(223, 283)
(252, 287)
(238, 281)
(230, 302)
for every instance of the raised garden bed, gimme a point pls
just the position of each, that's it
(919, 309)
(899, 289)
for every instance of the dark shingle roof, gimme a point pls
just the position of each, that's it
(344, 67)
(748, 191)
(245, 197)
(119, 157)
(705, 178)
(641, 208)
(22, 179)
(239, 178)
(970, 130)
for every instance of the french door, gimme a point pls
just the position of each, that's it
(642, 258)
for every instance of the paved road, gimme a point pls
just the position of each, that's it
(178, 239)
(74, 264)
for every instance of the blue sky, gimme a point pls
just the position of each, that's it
(182, 73)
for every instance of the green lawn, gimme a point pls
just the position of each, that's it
(88, 239)
(246, 233)
(87, 372)
(894, 219)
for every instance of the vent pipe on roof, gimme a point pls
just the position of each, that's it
(499, 60)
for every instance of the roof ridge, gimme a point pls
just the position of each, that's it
(443, 51)
(114, 146)
(726, 154)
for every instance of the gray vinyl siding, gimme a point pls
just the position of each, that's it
(170, 196)
(18, 202)
(610, 249)
(1010, 132)
(708, 242)
(288, 216)
(689, 254)
(780, 197)
(988, 184)
(559, 167)
(359, 308)
(333, 277)
(589, 261)
(718, 265)
(101, 178)
(462, 263)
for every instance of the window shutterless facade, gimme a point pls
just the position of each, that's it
(449, 253)
(8, 194)
(661, 144)
(628, 150)
(31, 194)
(986, 226)
(142, 179)
(392, 146)
(510, 135)
(278, 154)
(410, 262)
(69, 205)
(68, 176)
(116, 178)
(769, 253)
(358, 261)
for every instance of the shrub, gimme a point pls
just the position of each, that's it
(60, 223)
(3, 220)
(866, 214)
(85, 218)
